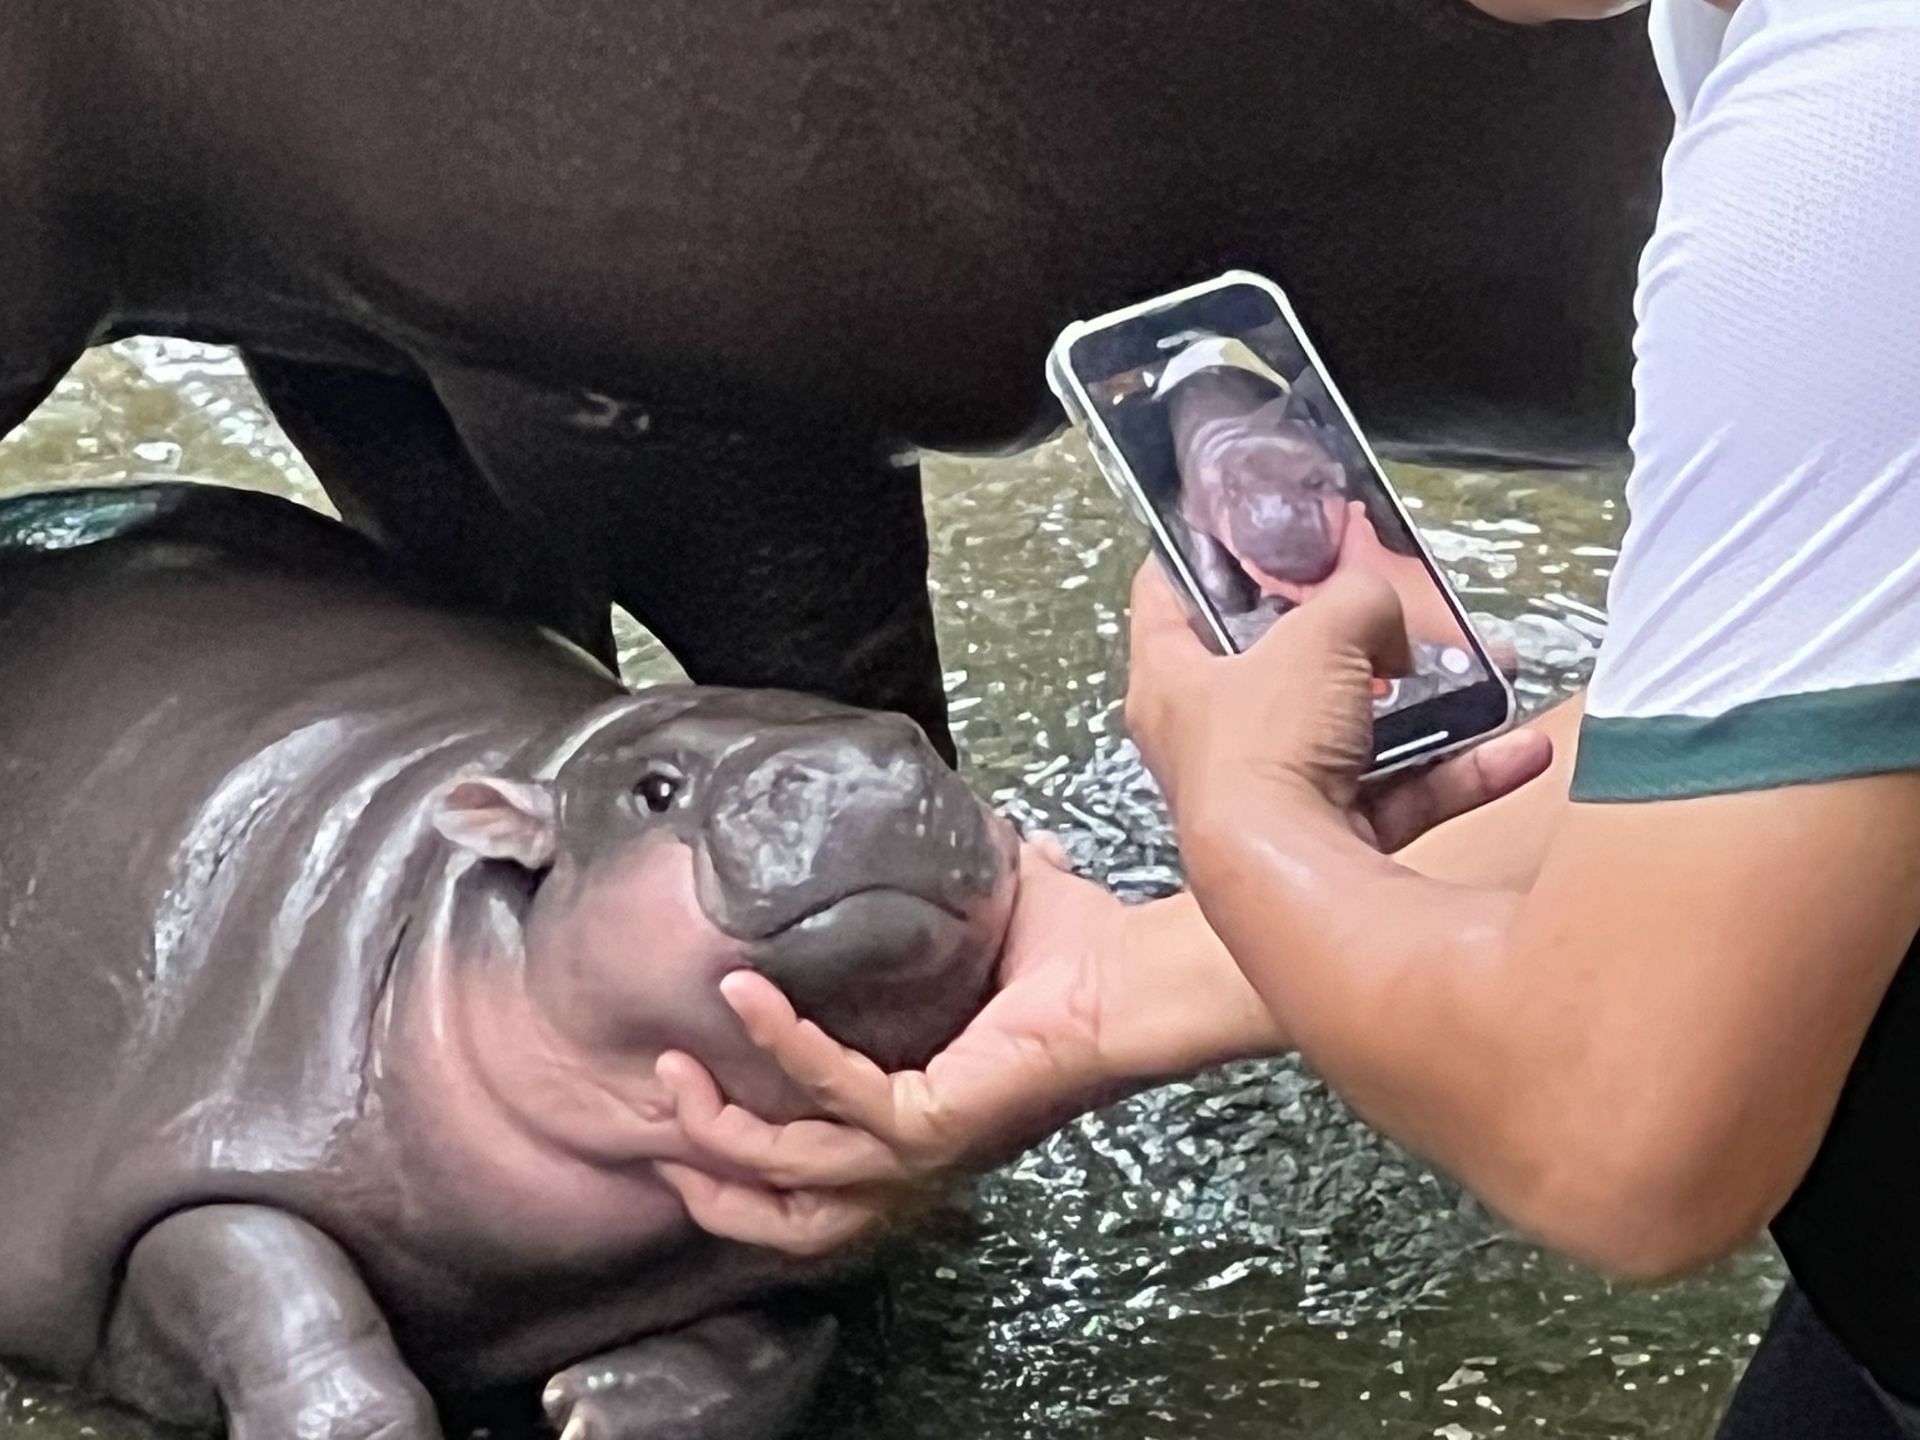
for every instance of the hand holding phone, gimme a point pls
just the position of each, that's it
(1214, 420)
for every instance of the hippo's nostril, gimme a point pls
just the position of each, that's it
(659, 788)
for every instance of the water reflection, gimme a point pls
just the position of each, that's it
(1233, 1258)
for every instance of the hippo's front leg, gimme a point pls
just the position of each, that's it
(250, 1314)
(746, 1375)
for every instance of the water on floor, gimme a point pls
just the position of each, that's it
(1232, 1258)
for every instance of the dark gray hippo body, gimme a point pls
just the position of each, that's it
(662, 286)
(339, 935)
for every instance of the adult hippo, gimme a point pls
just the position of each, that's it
(665, 287)
(339, 937)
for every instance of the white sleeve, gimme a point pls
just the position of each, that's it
(1765, 611)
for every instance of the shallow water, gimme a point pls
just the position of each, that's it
(1233, 1258)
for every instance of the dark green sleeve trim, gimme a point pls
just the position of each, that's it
(1785, 740)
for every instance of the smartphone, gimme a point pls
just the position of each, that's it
(1212, 417)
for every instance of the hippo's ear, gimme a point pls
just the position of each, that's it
(500, 820)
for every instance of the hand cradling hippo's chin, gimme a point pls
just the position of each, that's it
(341, 936)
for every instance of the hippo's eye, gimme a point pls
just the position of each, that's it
(658, 789)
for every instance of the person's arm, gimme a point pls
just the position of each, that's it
(1636, 1056)
(1176, 1001)
(1634, 1059)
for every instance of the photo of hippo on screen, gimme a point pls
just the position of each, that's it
(1262, 485)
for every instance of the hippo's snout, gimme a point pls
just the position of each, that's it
(871, 884)
(1274, 495)
(1294, 543)
(799, 822)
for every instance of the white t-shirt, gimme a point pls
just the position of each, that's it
(1765, 611)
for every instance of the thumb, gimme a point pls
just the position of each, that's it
(1355, 608)
(1044, 848)
(1406, 808)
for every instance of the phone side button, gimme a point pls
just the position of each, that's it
(1425, 742)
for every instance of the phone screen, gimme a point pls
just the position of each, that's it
(1262, 485)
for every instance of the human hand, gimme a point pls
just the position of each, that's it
(1096, 999)
(1291, 719)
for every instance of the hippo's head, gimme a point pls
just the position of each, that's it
(1269, 490)
(1260, 471)
(696, 831)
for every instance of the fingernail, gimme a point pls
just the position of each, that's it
(671, 1069)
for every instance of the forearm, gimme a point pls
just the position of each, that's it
(1551, 1049)
(1402, 991)
(1499, 847)
(1178, 1003)
(1502, 843)
(1188, 1005)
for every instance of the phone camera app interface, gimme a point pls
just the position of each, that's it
(1267, 493)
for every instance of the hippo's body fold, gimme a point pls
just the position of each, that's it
(637, 300)
(248, 984)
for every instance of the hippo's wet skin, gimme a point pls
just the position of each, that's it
(339, 936)
(635, 299)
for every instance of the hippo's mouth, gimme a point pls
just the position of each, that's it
(1298, 555)
(824, 911)
(880, 924)
(889, 972)
(890, 969)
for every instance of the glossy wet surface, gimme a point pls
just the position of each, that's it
(1235, 1258)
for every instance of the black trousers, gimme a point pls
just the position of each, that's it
(1803, 1386)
